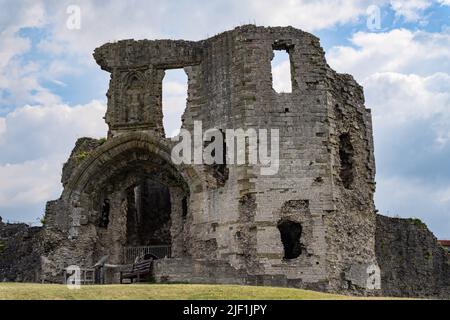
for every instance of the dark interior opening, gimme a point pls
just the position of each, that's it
(222, 167)
(291, 233)
(184, 207)
(219, 169)
(104, 217)
(346, 153)
(148, 214)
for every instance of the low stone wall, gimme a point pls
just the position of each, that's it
(19, 252)
(196, 271)
(412, 263)
(187, 270)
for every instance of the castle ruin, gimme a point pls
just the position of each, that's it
(312, 224)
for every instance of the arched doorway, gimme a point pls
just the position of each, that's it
(146, 207)
(134, 197)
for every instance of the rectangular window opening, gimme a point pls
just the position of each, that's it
(174, 98)
(281, 71)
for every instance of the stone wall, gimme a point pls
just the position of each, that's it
(186, 270)
(19, 252)
(412, 263)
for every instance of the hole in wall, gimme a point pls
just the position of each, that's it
(281, 71)
(222, 170)
(184, 207)
(174, 96)
(290, 233)
(104, 218)
(346, 154)
(219, 168)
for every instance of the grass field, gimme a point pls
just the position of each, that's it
(157, 291)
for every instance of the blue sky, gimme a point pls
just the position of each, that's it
(52, 92)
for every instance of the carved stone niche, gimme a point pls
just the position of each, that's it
(134, 102)
(133, 93)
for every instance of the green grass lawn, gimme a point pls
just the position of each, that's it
(157, 291)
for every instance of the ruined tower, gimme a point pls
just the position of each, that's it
(310, 225)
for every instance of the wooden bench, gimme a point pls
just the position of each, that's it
(140, 269)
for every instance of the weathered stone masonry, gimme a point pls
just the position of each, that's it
(240, 218)
(311, 225)
(411, 262)
(20, 249)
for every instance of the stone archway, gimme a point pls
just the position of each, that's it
(129, 193)
(145, 208)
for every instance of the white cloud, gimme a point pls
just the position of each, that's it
(410, 10)
(399, 50)
(29, 182)
(37, 131)
(400, 98)
(27, 14)
(11, 46)
(174, 19)
(406, 76)
(399, 101)
(21, 14)
(35, 141)
(309, 15)
(19, 79)
(21, 84)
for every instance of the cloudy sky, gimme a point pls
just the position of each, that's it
(52, 92)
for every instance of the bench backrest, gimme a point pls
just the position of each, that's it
(143, 265)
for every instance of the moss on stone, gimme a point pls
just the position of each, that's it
(81, 156)
(418, 223)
